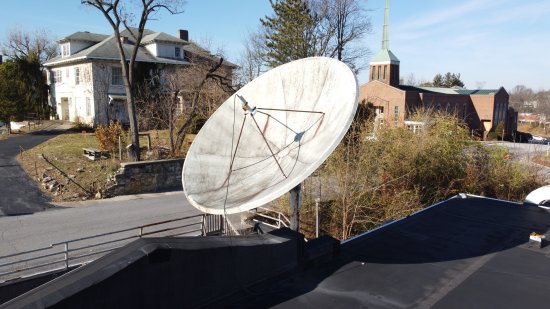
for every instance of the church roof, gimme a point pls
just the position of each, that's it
(445, 90)
(385, 55)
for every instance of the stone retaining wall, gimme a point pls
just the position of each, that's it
(145, 177)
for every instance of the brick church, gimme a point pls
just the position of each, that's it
(481, 109)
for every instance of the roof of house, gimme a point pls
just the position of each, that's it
(162, 37)
(84, 36)
(105, 48)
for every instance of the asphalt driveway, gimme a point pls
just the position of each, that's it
(18, 193)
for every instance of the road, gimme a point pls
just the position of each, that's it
(524, 153)
(22, 233)
(19, 234)
(18, 192)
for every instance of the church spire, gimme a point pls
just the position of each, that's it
(385, 35)
(384, 66)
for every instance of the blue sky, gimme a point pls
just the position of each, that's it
(489, 42)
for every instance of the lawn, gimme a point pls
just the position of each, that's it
(62, 159)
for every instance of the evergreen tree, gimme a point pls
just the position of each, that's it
(448, 80)
(12, 92)
(288, 33)
(23, 88)
(438, 81)
(453, 80)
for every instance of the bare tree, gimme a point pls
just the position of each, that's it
(519, 96)
(188, 95)
(202, 94)
(410, 80)
(21, 44)
(121, 16)
(349, 24)
(252, 62)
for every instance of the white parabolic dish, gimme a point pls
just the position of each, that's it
(298, 113)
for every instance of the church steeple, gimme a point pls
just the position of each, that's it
(385, 65)
(385, 34)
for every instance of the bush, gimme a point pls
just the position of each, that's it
(80, 126)
(107, 136)
(376, 180)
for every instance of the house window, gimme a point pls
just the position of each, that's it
(76, 76)
(385, 72)
(177, 52)
(57, 76)
(116, 76)
(378, 72)
(65, 50)
(372, 73)
(395, 116)
(464, 111)
(88, 107)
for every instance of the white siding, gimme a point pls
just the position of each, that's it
(152, 49)
(75, 94)
(168, 50)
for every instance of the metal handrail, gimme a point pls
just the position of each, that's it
(69, 256)
(281, 219)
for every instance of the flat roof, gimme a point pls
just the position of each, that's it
(463, 253)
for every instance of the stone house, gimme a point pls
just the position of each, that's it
(86, 82)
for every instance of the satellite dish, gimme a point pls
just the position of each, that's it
(270, 135)
(539, 196)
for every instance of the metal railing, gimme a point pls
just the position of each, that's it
(274, 218)
(74, 252)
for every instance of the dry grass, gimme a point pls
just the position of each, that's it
(542, 160)
(81, 178)
(62, 159)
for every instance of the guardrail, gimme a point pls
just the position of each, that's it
(74, 252)
(274, 218)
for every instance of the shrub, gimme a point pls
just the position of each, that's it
(372, 181)
(107, 136)
(79, 125)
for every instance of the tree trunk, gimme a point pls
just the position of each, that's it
(134, 150)
(183, 130)
(172, 119)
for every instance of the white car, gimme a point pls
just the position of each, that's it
(539, 140)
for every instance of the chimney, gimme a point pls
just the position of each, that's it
(0, 59)
(183, 34)
(124, 39)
